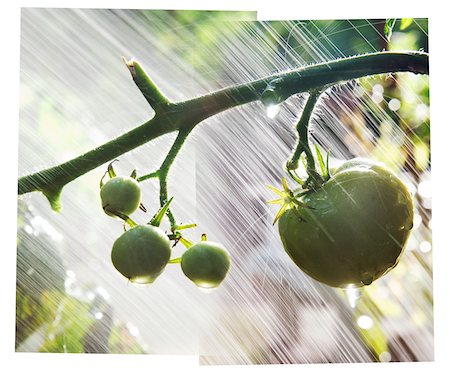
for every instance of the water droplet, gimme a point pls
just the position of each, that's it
(353, 294)
(138, 284)
(365, 322)
(417, 221)
(385, 357)
(377, 97)
(425, 246)
(133, 330)
(206, 289)
(272, 110)
(378, 88)
(425, 189)
(102, 292)
(272, 95)
(394, 105)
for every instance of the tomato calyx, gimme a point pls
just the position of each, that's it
(290, 199)
(287, 198)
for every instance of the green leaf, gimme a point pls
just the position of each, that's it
(405, 23)
(388, 27)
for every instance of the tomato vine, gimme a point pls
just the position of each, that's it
(182, 117)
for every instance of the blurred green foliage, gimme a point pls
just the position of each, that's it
(40, 274)
(49, 318)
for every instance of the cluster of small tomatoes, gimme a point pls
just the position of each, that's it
(349, 230)
(142, 252)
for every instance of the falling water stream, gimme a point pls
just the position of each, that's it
(76, 94)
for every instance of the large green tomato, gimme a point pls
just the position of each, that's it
(141, 253)
(354, 228)
(120, 194)
(206, 264)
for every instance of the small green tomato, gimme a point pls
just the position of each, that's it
(353, 229)
(206, 264)
(120, 194)
(141, 253)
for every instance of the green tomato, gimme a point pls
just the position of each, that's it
(141, 253)
(120, 194)
(354, 228)
(206, 264)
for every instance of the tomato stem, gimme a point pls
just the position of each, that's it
(303, 145)
(165, 168)
(155, 174)
(151, 92)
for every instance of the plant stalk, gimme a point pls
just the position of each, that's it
(187, 114)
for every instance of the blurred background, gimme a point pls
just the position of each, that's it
(76, 94)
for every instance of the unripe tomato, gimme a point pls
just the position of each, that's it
(206, 264)
(120, 194)
(141, 253)
(354, 228)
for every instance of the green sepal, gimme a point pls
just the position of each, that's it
(157, 218)
(203, 238)
(304, 161)
(327, 164)
(123, 217)
(54, 198)
(322, 165)
(175, 260)
(186, 242)
(184, 227)
(133, 174)
(294, 176)
(111, 171)
(280, 213)
(101, 180)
